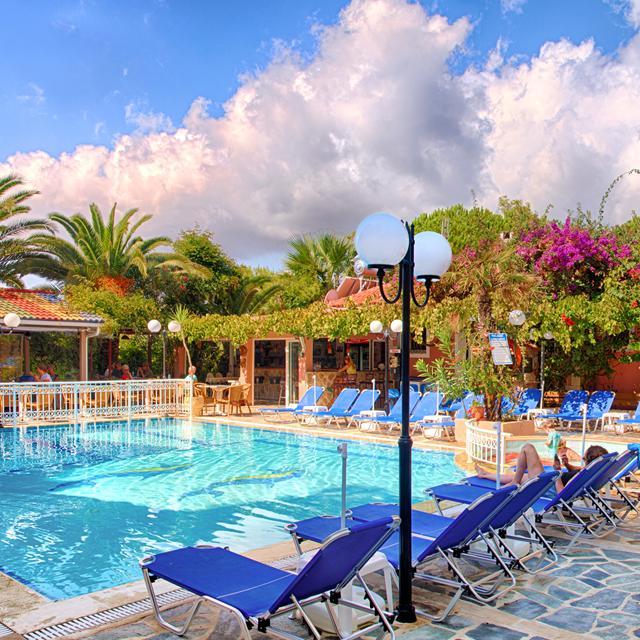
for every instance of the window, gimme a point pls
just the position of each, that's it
(325, 354)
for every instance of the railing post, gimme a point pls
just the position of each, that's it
(16, 408)
(129, 382)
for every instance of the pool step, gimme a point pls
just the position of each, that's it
(84, 623)
(4, 631)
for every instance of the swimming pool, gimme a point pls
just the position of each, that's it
(81, 504)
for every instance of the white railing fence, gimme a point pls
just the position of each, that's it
(36, 402)
(486, 446)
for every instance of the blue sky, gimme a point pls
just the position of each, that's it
(75, 65)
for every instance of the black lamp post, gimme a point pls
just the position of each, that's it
(382, 242)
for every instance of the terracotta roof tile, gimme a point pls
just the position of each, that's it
(41, 305)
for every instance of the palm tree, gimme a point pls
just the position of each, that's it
(106, 253)
(251, 295)
(324, 258)
(15, 246)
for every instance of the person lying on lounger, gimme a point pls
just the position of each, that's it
(529, 465)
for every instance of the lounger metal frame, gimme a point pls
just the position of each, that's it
(264, 624)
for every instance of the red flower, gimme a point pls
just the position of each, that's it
(634, 304)
(567, 320)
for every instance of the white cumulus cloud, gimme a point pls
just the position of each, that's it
(374, 120)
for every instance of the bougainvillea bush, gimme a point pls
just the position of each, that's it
(572, 258)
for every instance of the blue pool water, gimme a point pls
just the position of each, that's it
(81, 504)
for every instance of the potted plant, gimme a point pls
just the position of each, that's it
(476, 411)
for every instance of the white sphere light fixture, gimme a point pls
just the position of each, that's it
(431, 255)
(376, 326)
(381, 240)
(174, 326)
(548, 335)
(12, 320)
(154, 326)
(396, 326)
(517, 317)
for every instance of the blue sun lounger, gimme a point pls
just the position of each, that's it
(553, 510)
(395, 415)
(528, 400)
(523, 499)
(364, 402)
(435, 537)
(310, 397)
(341, 404)
(570, 405)
(616, 507)
(633, 421)
(599, 403)
(255, 593)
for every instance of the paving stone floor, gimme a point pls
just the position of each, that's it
(594, 593)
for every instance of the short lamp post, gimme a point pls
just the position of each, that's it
(155, 328)
(377, 327)
(382, 242)
(547, 335)
(517, 318)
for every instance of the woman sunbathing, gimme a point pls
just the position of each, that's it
(529, 465)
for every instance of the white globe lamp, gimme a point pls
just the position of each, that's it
(381, 240)
(431, 255)
(396, 326)
(548, 335)
(517, 317)
(174, 326)
(154, 326)
(376, 326)
(12, 320)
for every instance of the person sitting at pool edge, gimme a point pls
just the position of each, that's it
(529, 465)
(191, 374)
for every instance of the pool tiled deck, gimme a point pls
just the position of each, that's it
(594, 593)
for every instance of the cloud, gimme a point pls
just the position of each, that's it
(512, 6)
(630, 9)
(146, 121)
(373, 121)
(35, 96)
(99, 128)
(560, 128)
(633, 13)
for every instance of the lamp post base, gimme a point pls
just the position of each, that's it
(406, 614)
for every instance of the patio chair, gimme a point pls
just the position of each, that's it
(256, 594)
(210, 396)
(525, 497)
(231, 398)
(246, 395)
(435, 537)
(310, 397)
(341, 404)
(395, 415)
